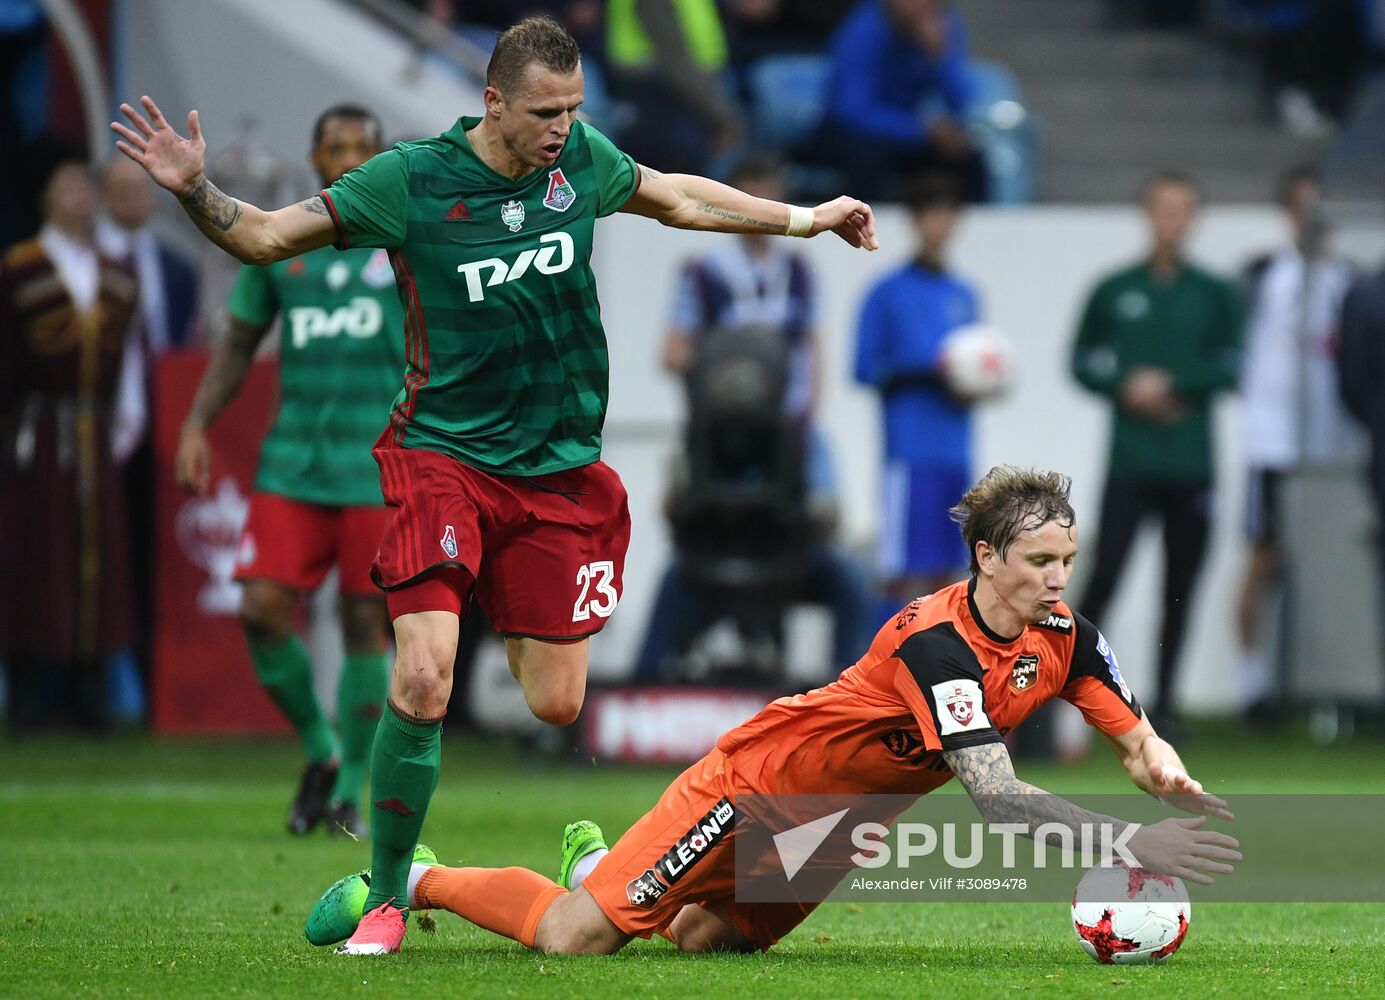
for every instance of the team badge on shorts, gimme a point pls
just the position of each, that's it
(512, 214)
(1025, 672)
(645, 891)
(561, 194)
(449, 542)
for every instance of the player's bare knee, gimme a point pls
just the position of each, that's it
(266, 613)
(556, 708)
(575, 925)
(362, 624)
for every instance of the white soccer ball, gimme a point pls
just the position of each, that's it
(977, 362)
(1130, 916)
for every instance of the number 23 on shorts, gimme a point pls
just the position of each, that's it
(595, 595)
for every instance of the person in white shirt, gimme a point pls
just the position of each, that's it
(1291, 414)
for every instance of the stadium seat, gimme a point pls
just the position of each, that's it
(1006, 132)
(786, 98)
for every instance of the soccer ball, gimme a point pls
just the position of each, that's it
(977, 362)
(1130, 916)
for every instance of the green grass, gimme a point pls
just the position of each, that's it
(157, 868)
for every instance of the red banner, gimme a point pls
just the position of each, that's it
(203, 681)
(663, 724)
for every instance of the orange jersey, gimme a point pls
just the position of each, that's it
(935, 678)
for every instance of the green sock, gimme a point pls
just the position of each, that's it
(286, 672)
(365, 681)
(404, 770)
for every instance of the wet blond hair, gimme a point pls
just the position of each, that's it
(1009, 500)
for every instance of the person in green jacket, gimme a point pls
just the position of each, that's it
(1160, 339)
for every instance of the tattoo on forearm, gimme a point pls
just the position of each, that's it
(989, 777)
(727, 215)
(207, 202)
(313, 205)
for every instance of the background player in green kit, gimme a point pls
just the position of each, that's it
(491, 460)
(317, 492)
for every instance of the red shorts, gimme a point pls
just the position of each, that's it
(545, 555)
(295, 543)
(668, 859)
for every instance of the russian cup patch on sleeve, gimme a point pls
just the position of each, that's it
(959, 707)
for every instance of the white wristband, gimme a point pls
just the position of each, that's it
(800, 221)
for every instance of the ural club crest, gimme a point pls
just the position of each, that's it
(561, 194)
(512, 214)
(449, 542)
(1024, 673)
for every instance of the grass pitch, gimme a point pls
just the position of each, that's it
(151, 868)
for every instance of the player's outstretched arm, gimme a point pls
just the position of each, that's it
(225, 374)
(247, 233)
(1154, 766)
(686, 201)
(1173, 846)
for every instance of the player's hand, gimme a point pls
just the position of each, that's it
(1183, 848)
(850, 219)
(193, 463)
(174, 162)
(1173, 785)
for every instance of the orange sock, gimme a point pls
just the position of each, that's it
(508, 901)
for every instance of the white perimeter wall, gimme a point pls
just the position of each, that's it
(1033, 267)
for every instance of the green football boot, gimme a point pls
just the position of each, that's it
(338, 910)
(579, 840)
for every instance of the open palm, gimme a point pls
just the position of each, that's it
(174, 162)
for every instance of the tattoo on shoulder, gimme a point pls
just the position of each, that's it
(208, 202)
(730, 216)
(313, 205)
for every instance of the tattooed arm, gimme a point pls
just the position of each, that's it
(989, 777)
(249, 234)
(223, 378)
(685, 201)
(1173, 846)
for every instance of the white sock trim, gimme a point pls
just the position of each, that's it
(416, 871)
(584, 867)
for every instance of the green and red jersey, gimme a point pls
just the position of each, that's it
(341, 356)
(507, 358)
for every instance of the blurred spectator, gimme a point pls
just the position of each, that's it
(769, 27)
(754, 284)
(898, 92)
(167, 278)
(1290, 412)
(1312, 56)
(1160, 339)
(24, 101)
(65, 311)
(927, 432)
(167, 313)
(667, 60)
(1361, 378)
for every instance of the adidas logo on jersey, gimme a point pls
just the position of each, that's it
(554, 256)
(457, 213)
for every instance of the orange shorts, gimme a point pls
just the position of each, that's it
(683, 851)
